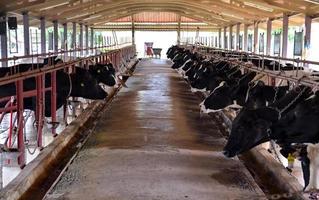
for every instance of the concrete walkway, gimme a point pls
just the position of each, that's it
(152, 144)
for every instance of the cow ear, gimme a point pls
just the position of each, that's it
(268, 114)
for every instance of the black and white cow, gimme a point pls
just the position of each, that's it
(232, 93)
(100, 73)
(79, 84)
(287, 121)
(103, 73)
(251, 126)
(260, 95)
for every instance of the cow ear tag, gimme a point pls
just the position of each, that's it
(291, 160)
(82, 84)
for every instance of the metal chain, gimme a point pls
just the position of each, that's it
(276, 94)
(234, 72)
(250, 86)
(293, 101)
(289, 104)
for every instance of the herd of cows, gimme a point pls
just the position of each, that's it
(288, 115)
(82, 82)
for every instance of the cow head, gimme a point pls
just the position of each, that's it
(52, 60)
(103, 74)
(218, 99)
(255, 95)
(249, 129)
(86, 86)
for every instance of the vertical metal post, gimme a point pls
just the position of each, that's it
(220, 38)
(65, 37)
(55, 36)
(237, 36)
(81, 39)
(26, 33)
(225, 39)
(256, 37)
(53, 101)
(43, 35)
(133, 31)
(269, 29)
(87, 39)
(230, 39)
(92, 39)
(74, 38)
(307, 45)
(285, 24)
(179, 30)
(4, 44)
(245, 43)
(39, 108)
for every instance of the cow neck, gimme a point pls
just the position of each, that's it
(289, 101)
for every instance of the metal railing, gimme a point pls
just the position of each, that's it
(296, 76)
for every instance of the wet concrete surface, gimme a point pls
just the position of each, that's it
(152, 144)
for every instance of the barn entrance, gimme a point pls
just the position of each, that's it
(161, 40)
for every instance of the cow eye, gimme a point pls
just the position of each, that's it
(82, 84)
(98, 71)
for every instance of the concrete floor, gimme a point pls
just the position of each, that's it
(152, 144)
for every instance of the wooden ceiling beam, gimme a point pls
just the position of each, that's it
(45, 4)
(150, 6)
(240, 9)
(138, 10)
(110, 19)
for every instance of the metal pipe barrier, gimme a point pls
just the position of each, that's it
(113, 56)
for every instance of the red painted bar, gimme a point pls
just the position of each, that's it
(20, 138)
(53, 101)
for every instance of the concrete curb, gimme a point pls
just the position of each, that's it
(277, 173)
(40, 167)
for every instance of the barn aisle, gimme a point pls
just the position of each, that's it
(151, 144)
